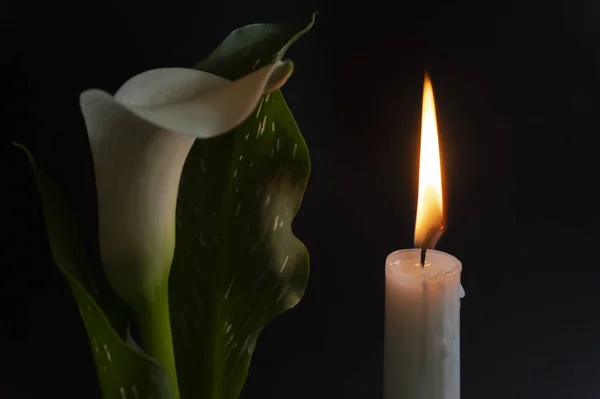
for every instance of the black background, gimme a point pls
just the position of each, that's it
(516, 87)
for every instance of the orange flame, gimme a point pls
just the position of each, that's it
(430, 209)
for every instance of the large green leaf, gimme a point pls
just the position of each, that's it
(237, 263)
(123, 369)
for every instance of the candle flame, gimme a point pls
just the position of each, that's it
(430, 209)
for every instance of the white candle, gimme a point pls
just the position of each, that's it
(422, 299)
(421, 359)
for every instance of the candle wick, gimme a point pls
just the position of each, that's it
(430, 240)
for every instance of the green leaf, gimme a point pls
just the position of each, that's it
(123, 369)
(237, 263)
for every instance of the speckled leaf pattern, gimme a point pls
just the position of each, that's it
(237, 263)
(124, 371)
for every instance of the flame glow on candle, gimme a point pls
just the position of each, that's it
(430, 208)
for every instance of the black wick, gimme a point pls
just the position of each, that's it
(430, 240)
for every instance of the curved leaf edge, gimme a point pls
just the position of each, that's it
(205, 64)
(302, 247)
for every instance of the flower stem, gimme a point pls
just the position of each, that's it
(155, 330)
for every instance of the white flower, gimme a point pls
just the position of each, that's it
(140, 139)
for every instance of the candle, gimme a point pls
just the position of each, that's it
(423, 291)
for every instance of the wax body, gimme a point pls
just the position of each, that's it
(422, 325)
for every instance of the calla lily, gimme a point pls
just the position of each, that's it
(140, 138)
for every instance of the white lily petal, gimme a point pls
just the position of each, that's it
(140, 139)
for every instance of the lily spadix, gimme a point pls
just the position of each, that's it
(140, 138)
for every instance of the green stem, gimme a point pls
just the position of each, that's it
(155, 330)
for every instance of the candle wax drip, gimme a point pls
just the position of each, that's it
(423, 329)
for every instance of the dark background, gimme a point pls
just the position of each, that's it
(516, 88)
